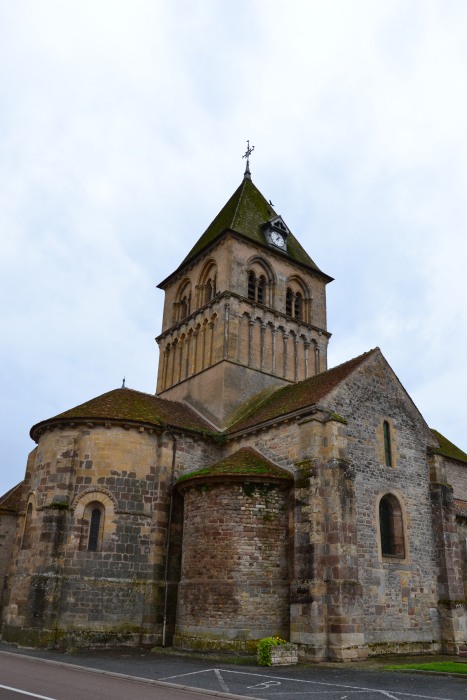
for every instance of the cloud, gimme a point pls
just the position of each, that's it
(122, 127)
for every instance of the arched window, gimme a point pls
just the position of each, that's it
(26, 541)
(298, 299)
(387, 444)
(182, 302)
(92, 527)
(391, 527)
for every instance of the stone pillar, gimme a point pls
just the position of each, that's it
(326, 600)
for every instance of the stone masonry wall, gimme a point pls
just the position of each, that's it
(400, 594)
(66, 595)
(8, 522)
(457, 476)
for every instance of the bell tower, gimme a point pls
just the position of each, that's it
(244, 312)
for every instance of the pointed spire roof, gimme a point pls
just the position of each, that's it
(246, 213)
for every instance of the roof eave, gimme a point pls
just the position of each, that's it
(186, 263)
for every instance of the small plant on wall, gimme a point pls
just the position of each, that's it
(264, 649)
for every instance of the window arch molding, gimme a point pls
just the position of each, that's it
(93, 530)
(260, 281)
(206, 289)
(391, 521)
(298, 299)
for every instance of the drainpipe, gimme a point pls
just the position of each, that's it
(169, 527)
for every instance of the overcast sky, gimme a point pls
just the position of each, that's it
(122, 129)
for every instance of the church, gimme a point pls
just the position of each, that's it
(257, 493)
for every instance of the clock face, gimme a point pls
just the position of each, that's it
(277, 239)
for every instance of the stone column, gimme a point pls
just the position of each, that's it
(326, 597)
(451, 604)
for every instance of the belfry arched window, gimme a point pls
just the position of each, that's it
(182, 305)
(251, 285)
(298, 299)
(261, 289)
(391, 527)
(298, 306)
(207, 284)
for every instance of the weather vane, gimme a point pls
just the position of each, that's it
(247, 155)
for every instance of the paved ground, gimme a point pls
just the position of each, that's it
(368, 681)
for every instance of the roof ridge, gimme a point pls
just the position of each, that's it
(241, 188)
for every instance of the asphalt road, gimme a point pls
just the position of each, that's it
(23, 677)
(69, 677)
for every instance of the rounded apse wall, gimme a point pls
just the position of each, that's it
(234, 585)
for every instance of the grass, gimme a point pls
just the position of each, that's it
(439, 666)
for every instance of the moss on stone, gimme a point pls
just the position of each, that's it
(245, 213)
(296, 397)
(133, 407)
(246, 462)
(447, 448)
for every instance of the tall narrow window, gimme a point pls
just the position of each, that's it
(251, 285)
(183, 308)
(209, 291)
(261, 289)
(289, 302)
(26, 541)
(298, 306)
(94, 529)
(391, 527)
(387, 444)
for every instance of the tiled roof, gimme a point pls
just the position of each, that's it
(448, 449)
(245, 462)
(11, 499)
(461, 507)
(132, 406)
(245, 213)
(295, 397)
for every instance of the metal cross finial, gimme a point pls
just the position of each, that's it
(247, 155)
(249, 150)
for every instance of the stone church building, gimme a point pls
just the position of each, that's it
(257, 493)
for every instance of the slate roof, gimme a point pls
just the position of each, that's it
(11, 499)
(245, 462)
(448, 449)
(295, 397)
(245, 213)
(133, 407)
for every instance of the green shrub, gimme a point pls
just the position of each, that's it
(264, 649)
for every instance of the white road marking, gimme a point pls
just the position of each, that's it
(25, 692)
(338, 685)
(264, 686)
(192, 673)
(222, 683)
